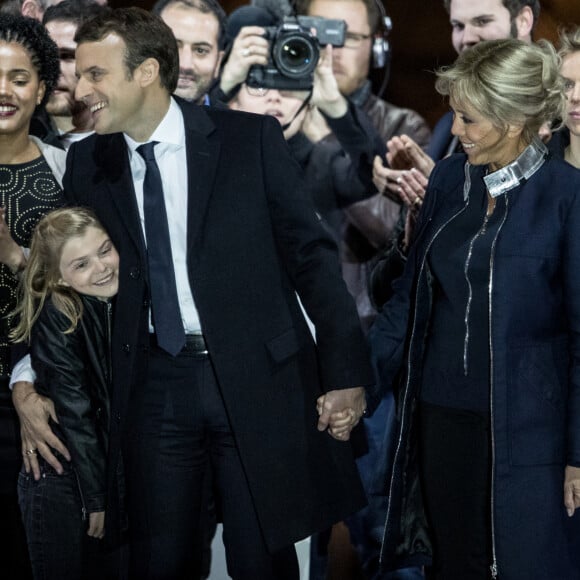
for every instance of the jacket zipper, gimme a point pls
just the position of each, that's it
(83, 505)
(411, 341)
(479, 233)
(493, 568)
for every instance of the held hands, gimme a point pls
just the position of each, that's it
(34, 412)
(571, 489)
(340, 410)
(97, 525)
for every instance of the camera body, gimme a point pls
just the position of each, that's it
(294, 52)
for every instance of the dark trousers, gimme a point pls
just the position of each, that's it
(15, 564)
(454, 451)
(179, 438)
(56, 529)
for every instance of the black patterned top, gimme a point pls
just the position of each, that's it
(27, 191)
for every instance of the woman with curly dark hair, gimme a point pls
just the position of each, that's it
(30, 186)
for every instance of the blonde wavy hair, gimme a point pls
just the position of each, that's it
(41, 278)
(509, 82)
(569, 41)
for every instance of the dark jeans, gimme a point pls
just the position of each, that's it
(179, 439)
(56, 529)
(13, 550)
(455, 478)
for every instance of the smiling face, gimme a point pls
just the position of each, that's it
(484, 143)
(20, 89)
(475, 20)
(571, 73)
(89, 264)
(114, 96)
(197, 36)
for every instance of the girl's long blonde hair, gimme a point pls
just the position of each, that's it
(41, 278)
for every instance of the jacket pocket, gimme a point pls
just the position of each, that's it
(283, 346)
(537, 390)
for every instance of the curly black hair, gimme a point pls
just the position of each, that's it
(34, 38)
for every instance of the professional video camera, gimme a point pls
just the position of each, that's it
(294, 52)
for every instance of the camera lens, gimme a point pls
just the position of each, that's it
(295, 55)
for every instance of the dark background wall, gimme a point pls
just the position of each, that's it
(420, 43)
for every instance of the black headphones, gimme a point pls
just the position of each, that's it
(381, 46)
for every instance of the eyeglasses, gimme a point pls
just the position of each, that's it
(354, 40)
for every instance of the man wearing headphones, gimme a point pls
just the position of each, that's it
(368, 226)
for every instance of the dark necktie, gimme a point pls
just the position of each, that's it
(164, 302)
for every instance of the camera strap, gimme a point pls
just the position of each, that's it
(300, 109)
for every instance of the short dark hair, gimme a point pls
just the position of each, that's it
(204, 6)
(514, 7)
(75, 11)
(145, 36)
(373, 11)
(33, 37)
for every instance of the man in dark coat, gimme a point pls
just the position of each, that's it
(238, 404)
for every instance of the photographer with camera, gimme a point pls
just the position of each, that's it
(337, 174)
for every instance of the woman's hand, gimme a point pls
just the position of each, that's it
(97, 525)
(249, 48)
(572, 489)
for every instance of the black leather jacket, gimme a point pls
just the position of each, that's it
(74, 371)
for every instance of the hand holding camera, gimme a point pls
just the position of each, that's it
(294, 52)
(250, 48)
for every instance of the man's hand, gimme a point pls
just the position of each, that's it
(325, 92)
(572, 489)
(340, 410)
(34, 412)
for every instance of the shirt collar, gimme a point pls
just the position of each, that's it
(518, 171)
(170, 131)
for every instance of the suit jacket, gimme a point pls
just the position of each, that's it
(253, 241)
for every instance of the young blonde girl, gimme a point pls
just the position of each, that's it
(64, 314)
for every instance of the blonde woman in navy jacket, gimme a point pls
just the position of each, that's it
(481, 340)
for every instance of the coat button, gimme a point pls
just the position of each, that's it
(118, 417)
(126, 348)
(135, 273)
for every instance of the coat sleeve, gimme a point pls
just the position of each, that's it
(59, 361)
(310, 258)
(352, 169)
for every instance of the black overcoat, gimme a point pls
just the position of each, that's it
(253, 242)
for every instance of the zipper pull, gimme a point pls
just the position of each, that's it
(493, 569)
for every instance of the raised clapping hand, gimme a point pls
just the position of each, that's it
(34, 412)
(339, 411)
(405, 177)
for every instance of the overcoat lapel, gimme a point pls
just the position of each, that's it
(115, 165)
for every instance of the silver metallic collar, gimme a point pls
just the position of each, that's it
(521, 169)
